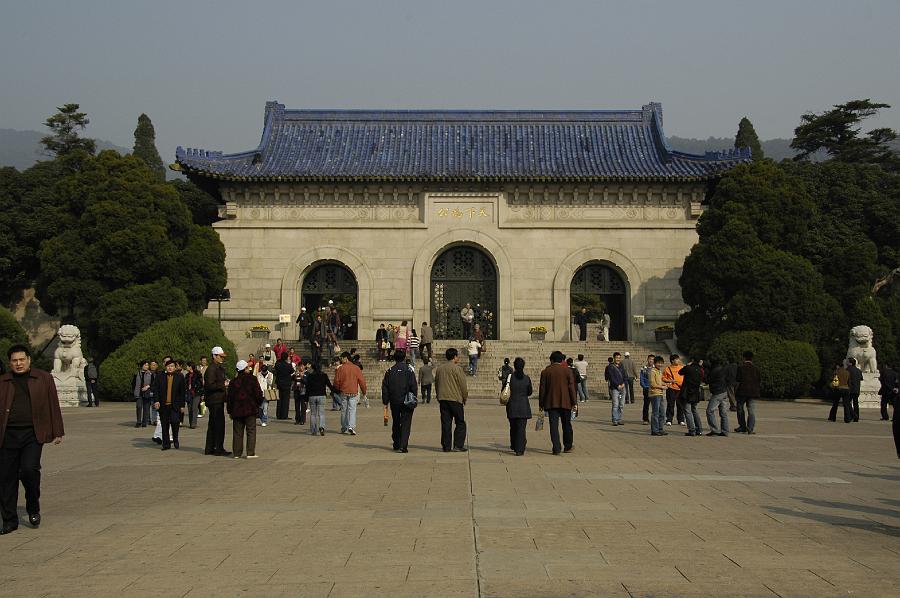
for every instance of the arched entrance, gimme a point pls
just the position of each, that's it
(463, 274)
(332, 281)
(600, 289)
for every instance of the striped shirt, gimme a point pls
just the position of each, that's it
(413, 342)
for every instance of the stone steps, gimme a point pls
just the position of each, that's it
(485, 384)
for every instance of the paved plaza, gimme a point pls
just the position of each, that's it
(804, 508)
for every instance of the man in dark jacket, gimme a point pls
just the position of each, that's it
(399, 380)
(718, 400)
(284, 373)
(748, 390)
(615, 377)
(855, 382)
(889, 391)
(556, 395)
(581, 320)
(692, 375)
(168, 391)
(30, 417)
(214, 386)
(304, 322)
(90, 382)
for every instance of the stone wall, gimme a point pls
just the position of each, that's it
(389, 237)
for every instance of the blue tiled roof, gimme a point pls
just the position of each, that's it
(354, 145)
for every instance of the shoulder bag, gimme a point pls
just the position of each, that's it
(504, 394)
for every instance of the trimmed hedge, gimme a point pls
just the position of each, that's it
(186, 337)
(125, 312)
(788, 369)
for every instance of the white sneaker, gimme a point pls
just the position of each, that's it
(668, 423)
(351, 431)
(252, 456)
(682, 423)
(264, 424)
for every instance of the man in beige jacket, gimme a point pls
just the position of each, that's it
(452, 392)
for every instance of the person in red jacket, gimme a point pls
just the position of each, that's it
(244, 400)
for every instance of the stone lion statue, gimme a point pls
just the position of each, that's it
(68, 360)
(861, 348)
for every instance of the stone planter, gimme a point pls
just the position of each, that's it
(259, 334)
(538, 336)
(664, 335)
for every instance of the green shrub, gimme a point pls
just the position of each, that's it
(125, 312)
(787, 369)
(186, 337)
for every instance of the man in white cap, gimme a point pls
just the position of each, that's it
(214, 385)
(304, 322)
(631, 373)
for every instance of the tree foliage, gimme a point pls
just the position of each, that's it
(801, 250)
(131, 230)
(837, 132)
(11, 332)
(203, 206)
(124, 312)
(145, 147)
(65, 132)
(747, 137)
(186, 337)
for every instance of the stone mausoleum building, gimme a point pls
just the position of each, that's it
(398, 215)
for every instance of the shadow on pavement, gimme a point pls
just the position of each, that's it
(863, 524)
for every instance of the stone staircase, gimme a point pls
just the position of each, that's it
(485, 384)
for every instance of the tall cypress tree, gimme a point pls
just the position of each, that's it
(746, 137)
(145, 147)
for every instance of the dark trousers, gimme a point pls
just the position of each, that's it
(401, 426)
(142, 408)
(93, 399)
(645, 411)
(301, 402)
(426, 350)
(467, 330)
(20, 458)
(854, 403)
(284, 403)
(672, 405)
(193, 405)
(425, 395)
(517, 439)
(582, 332)
(566, 416)
(885, 401)
(238, 426)
(215, 428)
(629, 390)
(451, 412)
(841, 396)
(169, 417)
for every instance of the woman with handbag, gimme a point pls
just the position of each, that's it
(402, 336)
(518, 408)
(381, 342)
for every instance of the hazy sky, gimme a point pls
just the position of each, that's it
(203, 70)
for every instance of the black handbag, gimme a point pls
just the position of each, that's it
(410, 402)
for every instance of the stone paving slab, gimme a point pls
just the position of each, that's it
(804, 508)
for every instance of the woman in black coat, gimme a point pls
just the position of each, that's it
(518, 409)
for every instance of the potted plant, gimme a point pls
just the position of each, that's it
(664, 333)
(538, 333)
(259, 331)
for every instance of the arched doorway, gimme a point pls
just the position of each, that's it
(600, 289)
(463, 274)
(332, 281)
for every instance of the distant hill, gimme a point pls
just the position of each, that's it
(21, 149)
(776, 149)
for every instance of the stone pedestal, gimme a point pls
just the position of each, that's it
(71, 393)
(868, 391)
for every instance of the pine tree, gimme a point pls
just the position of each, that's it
(65, 126)
(746, 137)
(145, 147)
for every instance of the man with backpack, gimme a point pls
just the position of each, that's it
(398, 389)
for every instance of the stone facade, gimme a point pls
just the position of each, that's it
(389, 237)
